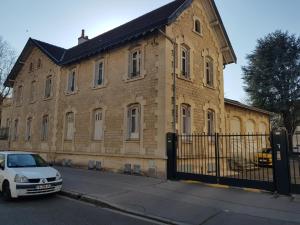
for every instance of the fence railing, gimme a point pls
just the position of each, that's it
(246, 157)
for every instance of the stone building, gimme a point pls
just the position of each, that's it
(110, 98)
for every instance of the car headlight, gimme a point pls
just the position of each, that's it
(58, 176)
(21, 179)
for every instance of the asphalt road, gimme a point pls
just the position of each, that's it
(57, 210)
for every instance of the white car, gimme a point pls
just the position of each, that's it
(27, 174)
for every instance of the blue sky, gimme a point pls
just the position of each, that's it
(60, 22)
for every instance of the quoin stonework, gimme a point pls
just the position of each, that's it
(110, 98)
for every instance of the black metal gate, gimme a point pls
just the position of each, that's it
(294, 161)
(235, 160)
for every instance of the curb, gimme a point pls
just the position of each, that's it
(105, 204)
(253, 190)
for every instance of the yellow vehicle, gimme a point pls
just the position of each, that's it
(264, 158)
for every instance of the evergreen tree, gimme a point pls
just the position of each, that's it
(272, 76)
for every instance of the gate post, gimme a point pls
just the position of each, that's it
(171, 154)
(279, 142)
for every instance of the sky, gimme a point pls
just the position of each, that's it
(60, 22)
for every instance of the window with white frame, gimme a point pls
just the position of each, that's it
(210, 122)
(135, 63)
(98, 125)
(134, 121)
(48, 87)
(69, 126)
(99, 74)
(185, 58)
(32, 91)
(28, 129)
(186, 119)
(15, 130)
(197, 26)
(71, 81)
(19, 94)
(209, 71)
(45, 127)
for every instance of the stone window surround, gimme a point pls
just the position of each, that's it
(138, 121)
(207, 53)
(70, 71)
(128, 52)
(28, 131)
(44, 138)
(105, 78)
(195, 19)
(51, 87)
(91, 128)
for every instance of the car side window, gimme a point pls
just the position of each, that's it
(2, 161)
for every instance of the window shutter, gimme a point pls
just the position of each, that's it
(188, 64)
(130, 64)
(69, 81)
(96, 75)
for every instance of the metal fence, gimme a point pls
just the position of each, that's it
(294, 162)
(238, 160)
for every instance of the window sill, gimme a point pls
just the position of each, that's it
(97, 141)
(140, 77)
(210, 87)
(199, 34)
(71, 93)
(99, 87)
(133, 140)
(181, 77)
(48, 99)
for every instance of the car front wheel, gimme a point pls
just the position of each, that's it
(6, 191)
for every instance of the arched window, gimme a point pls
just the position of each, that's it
(209, 71)
(185, 62)
(16, 130)
(32, 91)
(48, 87)
(98, 124)
(198, 26)
(135, 63)
(134, 116)
(39, 64)
(99, 73)
(69, 130)
(186, 119)
(210, 122)
(31, 67)
(28, 129)
(45, 127)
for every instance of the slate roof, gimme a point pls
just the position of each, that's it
(241, 105)
(134, 29)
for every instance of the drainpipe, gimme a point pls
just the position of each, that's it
(173, 41)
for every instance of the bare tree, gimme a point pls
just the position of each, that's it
(7, 60)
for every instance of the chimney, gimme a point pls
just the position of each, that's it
(82, 38)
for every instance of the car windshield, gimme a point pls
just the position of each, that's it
(25, 160)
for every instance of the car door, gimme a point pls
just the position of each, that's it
(2, 166)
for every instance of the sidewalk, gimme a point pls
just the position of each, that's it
(179, 202)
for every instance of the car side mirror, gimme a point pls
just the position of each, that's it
(50, 164)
